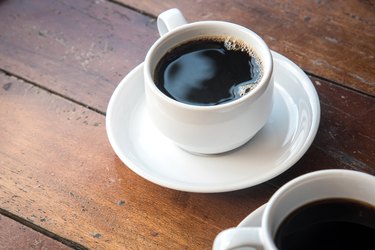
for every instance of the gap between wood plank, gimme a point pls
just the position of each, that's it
(72, 243)
(309, 74)
(41, 230)
(132, 8)
(338, 84)
(52, 92)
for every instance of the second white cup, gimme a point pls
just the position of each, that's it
(324, 185)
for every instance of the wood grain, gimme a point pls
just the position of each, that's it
(82, 49)
(14, 235)
(79, 49)
(59, 172)
(57, 169)
(331, 39)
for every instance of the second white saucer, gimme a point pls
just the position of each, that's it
(281, 143)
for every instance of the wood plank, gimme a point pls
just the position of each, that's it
(59, 172)
(14, 235)
(332, 39)
(80, 49)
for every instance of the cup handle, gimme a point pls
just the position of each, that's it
(169, 20)
(233, 238)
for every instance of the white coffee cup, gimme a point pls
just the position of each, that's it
(207, 129)
(319, 185)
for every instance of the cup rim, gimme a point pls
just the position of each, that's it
(294, 183)
(262, 85)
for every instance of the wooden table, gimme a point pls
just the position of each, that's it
(61, 184)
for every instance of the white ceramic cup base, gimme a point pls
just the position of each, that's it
(207, 129)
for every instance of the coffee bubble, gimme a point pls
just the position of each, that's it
(243, 90)
(236, 45)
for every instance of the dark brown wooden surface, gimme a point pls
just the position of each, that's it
(79, 49)
(59, 64)
(14, 235)
(331, 39)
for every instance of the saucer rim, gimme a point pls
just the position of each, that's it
(315, 119)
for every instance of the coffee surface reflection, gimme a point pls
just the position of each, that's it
(208, 71)
(328, 224)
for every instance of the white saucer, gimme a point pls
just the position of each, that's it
(254, 219)
(280, 144)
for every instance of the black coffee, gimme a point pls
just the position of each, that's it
(329, 224)
(208, 71)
